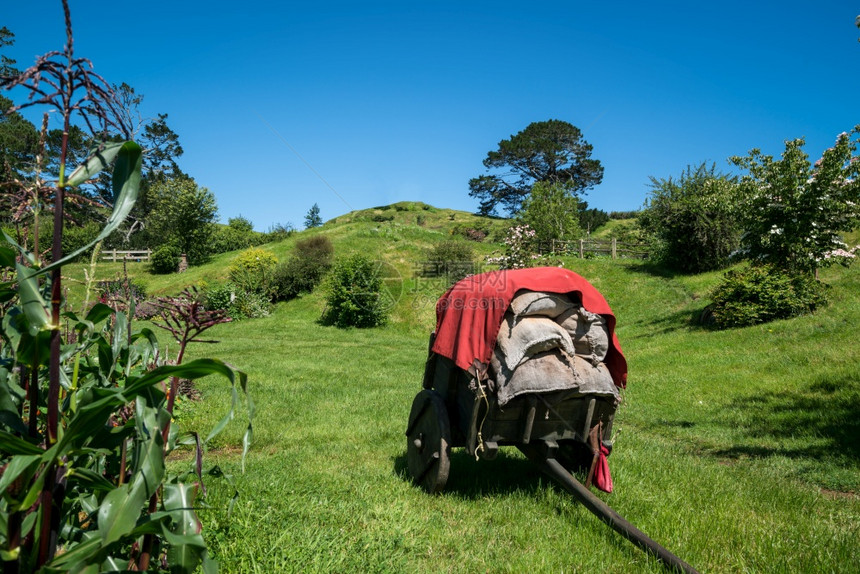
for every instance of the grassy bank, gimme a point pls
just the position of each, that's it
(738, 450)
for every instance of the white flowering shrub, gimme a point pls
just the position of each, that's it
(520, 249)
(794, 211)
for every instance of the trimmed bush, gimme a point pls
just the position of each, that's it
(763, 293)
(165, 259)
(354, 295)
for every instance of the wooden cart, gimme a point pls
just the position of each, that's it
(455, 409)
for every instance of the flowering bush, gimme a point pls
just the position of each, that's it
(520, 249)
(794, 211)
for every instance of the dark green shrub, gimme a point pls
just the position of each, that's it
(303, 271)
(354, 295)
(692, 221)
(451, 259)
(380, 218)
(760, 294)
(75, 237)
(165, 259)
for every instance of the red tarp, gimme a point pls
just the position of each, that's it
(469, 315)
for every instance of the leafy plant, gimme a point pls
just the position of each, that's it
(763, 293)
(252, 270)
(354, 294)
(303, 271)
(794, 210)
(692, 221)
(520, 249)
(165, 259)
(551, 211)
(85, 419)
(451, 259)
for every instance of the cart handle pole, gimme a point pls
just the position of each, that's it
(599, 508)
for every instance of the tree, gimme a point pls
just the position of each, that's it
(19, 142)
(237, 234)
(313, 219)
(551, 212)
(183, 214)
(591, 219)
(552, 151)
(793, 211)
(7, 64)
(692, 219)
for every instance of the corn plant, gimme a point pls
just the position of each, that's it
(85, 412)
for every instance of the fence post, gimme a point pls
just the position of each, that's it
(614, 250)
(582, 248)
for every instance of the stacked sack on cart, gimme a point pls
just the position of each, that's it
(548, 342)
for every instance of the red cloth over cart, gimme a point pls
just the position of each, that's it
(469, 315)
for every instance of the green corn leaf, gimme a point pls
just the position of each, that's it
(126, 185)
(76, 558)
(185, 543)
(11, 444)
(149, 462)
(21, 465)
(119, 512)
(7, 256)
(34, 306)
(99, 159)
(90, 479)
(194, 370)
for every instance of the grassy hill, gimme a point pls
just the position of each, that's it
(738, 450)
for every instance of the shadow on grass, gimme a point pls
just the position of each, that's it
(826, 416)
(685, 320)
(472, 480)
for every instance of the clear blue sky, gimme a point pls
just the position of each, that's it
(395, 101)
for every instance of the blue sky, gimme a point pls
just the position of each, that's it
(280, 105)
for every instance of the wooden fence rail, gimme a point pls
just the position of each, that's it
(581, 247)
(117, 255)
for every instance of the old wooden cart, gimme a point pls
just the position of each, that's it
(564, 429)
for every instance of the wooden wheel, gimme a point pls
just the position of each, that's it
(428, 441)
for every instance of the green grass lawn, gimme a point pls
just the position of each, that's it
(738, 450)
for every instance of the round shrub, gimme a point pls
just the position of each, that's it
(252, 270)
(451, 259)
(763, 293)
(304, 270)
(219, 296)
(165, 259)
(354, 295)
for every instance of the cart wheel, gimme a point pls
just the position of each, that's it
(428, 441)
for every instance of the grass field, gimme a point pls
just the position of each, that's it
(738, 450)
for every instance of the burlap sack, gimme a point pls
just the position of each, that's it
(524, 337)
(535, 303)
(589, 333)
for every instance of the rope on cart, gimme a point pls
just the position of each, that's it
(482, 395)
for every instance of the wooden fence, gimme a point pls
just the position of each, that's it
(117, 255)
(583, 247)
